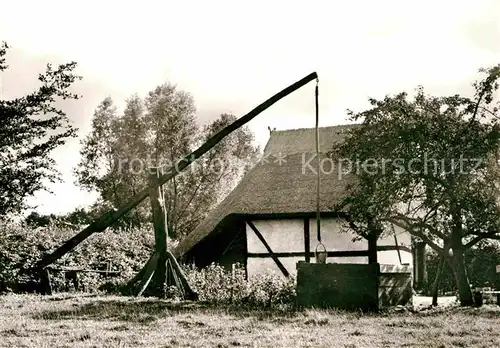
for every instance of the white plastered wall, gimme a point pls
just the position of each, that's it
(287, 235)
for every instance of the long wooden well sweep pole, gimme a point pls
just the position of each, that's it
(108, 218)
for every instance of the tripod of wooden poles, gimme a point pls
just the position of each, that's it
(162, 269)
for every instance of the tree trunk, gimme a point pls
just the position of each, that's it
(421, 268)
(435, 285)
(457, 260)
(372, 248)
(461, 278)
(375, 230)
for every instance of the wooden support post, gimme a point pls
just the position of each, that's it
(129, 288)
(173, 279)
(148, 274)
(186, 288)
(160, 227)
(397, 245)
(307, 239)
(421, 271)
(437, 279)
(71, 276)
(162, 268)
(45, 284)
(414, 261)
(269, 250)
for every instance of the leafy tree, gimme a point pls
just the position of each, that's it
(35, 219)
(159, 131)
(428, 165)
(112, 155)
(30, 128)
(171, 120)
(480, 261)
(213, 176)
(74, 219)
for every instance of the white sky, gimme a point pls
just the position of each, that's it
(232, 55)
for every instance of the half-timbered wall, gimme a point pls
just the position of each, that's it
(283, 236)
(289, 236)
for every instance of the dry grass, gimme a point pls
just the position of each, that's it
(87, 321)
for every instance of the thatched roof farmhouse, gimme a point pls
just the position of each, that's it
(279, 195)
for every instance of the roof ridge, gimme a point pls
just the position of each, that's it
(311, 128)
(304, 137)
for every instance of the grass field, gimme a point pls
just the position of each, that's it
(88, 321)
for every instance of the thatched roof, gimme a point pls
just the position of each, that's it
(281, 182)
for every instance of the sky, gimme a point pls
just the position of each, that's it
(233, 55)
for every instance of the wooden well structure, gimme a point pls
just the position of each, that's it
(368, 287)
(162, 265)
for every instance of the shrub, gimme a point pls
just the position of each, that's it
(21, 247)
(217, 285)
(126, 251)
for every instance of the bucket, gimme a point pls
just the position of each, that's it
(320, 254)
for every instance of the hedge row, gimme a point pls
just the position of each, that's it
(22, 246)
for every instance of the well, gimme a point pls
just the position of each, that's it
(353, 286)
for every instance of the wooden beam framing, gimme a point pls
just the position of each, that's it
(346, 253)
(271, 253)
(341, 253)
(396, 243)
(394, 247)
